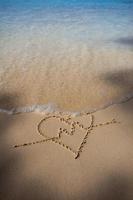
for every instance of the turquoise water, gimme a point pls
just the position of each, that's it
(81, 20)
(52, 45)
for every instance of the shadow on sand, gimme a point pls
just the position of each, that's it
(126, 41)
(113, 187)
(122, 80)
(11, 186)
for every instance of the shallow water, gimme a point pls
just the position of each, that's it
(74, 55)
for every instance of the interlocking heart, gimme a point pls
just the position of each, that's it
(65, 126)
(54, 128)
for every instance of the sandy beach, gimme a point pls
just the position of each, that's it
(66, 100)
(50, 171)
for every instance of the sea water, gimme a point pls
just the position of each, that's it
(68, 55)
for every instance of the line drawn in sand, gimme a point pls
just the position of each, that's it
(73, 125)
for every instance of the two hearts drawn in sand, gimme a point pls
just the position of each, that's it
(72, 125)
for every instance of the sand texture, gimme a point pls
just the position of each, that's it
(37, 155)
(84, 79)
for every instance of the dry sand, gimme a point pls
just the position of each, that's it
(103, 171)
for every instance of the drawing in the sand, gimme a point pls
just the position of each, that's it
(73, 125)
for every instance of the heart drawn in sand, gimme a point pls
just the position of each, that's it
(66, 126)
(70, 130)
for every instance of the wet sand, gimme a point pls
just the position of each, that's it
(80, 79)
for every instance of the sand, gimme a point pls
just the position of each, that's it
(78, 79)
(47, 170)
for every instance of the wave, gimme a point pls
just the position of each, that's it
(53, 108)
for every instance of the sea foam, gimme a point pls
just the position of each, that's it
(53, 109)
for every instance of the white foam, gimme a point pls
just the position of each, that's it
(53, 108)
(49, 108)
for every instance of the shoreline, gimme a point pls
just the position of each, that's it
(83, 80)
(52, 109)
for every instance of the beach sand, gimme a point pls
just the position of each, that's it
(66, 108)
(80, 80)
(104, 169)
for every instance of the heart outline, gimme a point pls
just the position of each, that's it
(53, 139)
(59, 134)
